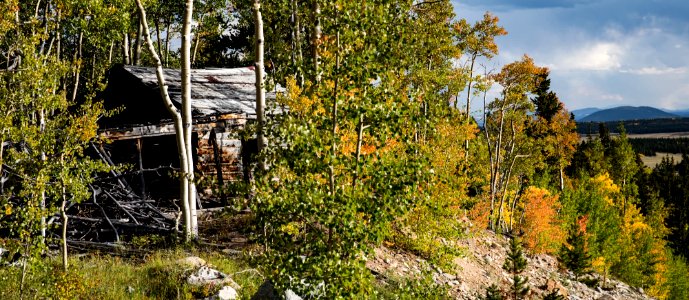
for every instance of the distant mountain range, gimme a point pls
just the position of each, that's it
(584, 112)
(681, 113)
(623, 113)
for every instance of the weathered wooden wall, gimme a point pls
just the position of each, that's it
(221, 131)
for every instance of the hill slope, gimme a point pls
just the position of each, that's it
(623, 113)
(584, 112)
(481, 266)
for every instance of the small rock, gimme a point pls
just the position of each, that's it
(449, 276)
(552, 285)
(606, 297)
(387, 260)
(232, 252)
(192, 261)
(291, 295)
(240, 240)
(206, 275)
(227, 293)
(640, 290)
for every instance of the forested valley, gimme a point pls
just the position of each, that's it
(373, 140)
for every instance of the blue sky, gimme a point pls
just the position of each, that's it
(602, 53)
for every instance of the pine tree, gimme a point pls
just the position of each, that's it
(515, 264)
(493, 293)
(576, 257)
(554, 295)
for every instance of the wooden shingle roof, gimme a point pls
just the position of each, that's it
(213, 92)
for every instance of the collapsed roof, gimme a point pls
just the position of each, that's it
(134, 90)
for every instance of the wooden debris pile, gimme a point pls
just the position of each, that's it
(115, 211)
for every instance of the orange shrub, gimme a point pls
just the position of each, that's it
(542, 231)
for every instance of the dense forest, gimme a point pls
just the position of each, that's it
(638, 126)
(377, 146)
(649, 146)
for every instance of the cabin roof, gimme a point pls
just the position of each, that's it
(214, 91)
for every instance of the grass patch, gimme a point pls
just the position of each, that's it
(155, 276)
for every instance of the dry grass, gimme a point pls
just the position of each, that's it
(652, 161)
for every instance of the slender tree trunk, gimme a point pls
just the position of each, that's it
(112, 45)
(65, 219)
(186, 112)
(260, 87)
(158, 38)
(177, 118)
(316, 37)
(167, 44)
(41, 126)
(2, 152)
(58, 35)
(334, 109)
(491, 159)
(468, 112)
(359, 142)
(562, 179)
(77, 59)
(125, 48)
(297, 42)
(196, 40)
(137, 44)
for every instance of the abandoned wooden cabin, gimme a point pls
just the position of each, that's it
(143, 135)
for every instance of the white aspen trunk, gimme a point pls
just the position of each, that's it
(490, 158)
(166, 55)
(177, 118)
(112, 45)
(260, 86)
(65, 219)
(159, 41)
(334, 109)
(316, 39)
(468, 116)
(562, 179)
(125, 48)
(58, 36)
(78, 68)
(196, 40)
(297, 42)
(41, 125)
(186, 114)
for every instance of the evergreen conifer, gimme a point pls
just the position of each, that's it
(576, 257)
(554, 295)
(515, 264)
(493, 293)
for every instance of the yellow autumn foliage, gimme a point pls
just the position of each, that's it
(610, 190)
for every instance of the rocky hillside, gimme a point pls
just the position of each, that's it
(482, 266)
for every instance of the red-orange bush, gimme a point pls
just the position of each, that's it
(542, 230)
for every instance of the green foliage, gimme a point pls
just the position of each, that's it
(664, 193)
(415, 288)
(493, 293)
(156, 276)
(338, 178)
(574, 255)
(515, 264)
(677, 278)
(650, 146)
(554, 295)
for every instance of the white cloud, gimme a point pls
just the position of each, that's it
(601, 56)
(655, 71)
